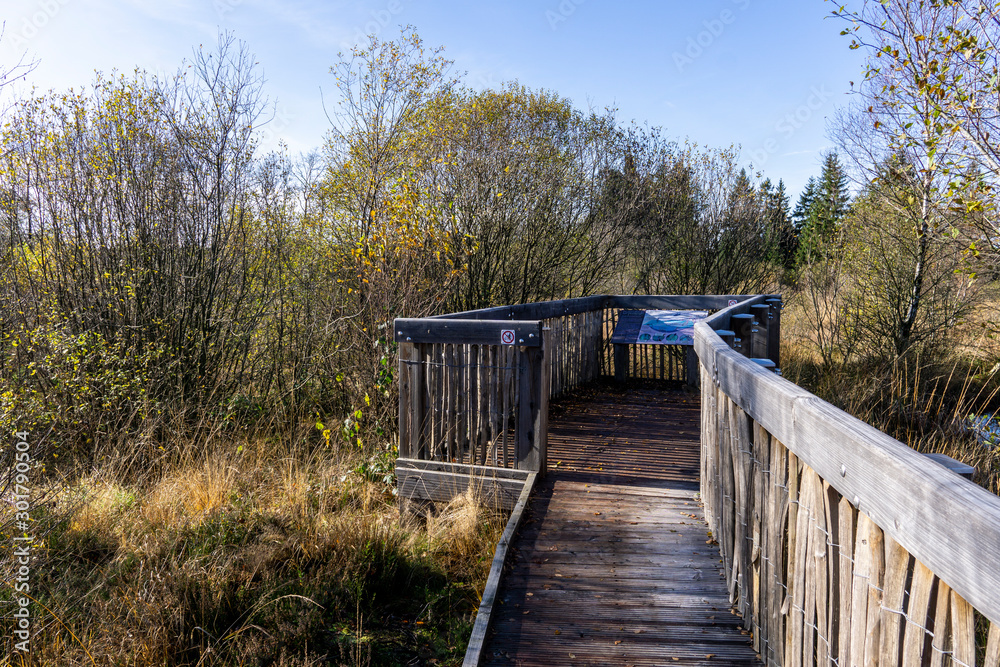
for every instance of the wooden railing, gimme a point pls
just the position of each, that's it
(475, 386)
(841, 546)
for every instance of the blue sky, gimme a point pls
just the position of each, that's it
(762, 74)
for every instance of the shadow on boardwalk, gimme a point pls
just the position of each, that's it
(612, 565)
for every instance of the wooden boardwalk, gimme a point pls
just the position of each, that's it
(612, 564)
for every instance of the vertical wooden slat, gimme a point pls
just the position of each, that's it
(941, 642)
(792, 565)
(846, 521)
(478, 445)
(561, 355)
(896, 566)
(963, 631)
(734, 534)
(451, 439)
(578, 349)
(777, 527)
(916, 616)
(405, 353)
(804, 567)
(419, 398)
(439, 402)
(464, 396)
(825, 583)
(831, 505)
(993, 647)
(758, 557)
(859, 590)
(875, 578)
(448, 399)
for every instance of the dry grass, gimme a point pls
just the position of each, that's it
(923, 399)
(275, 553)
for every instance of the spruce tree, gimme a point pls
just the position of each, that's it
(822, 206)
(803, 208)
(779, 221)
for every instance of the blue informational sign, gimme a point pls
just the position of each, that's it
(657, 327)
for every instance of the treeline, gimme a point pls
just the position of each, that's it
(159, 272)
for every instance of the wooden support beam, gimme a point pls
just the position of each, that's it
(441, 481)
(761, 314)
(691, 367)
(774, 331)
(743, 326)
(621, 362)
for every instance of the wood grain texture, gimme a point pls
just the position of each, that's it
(611, 565)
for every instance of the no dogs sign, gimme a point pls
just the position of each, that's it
(507, 336)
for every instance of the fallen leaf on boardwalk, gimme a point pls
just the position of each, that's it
(557, 632)
(530, 594)
(675, 658)
(638, 632)
(709, 656)
(597, 514)
(618, 641)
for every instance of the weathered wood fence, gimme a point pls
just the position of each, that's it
(841, 546)
(475, 386)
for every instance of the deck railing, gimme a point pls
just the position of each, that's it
(475, 386)
(841, 546)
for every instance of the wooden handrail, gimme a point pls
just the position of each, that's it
(839, 542)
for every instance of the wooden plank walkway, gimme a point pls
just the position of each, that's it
(612, 566)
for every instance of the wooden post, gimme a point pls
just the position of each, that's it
(691, 366)
(532, 413)
(728, 337)
(774, 331)
(742, 326)
(417, 389)
(621, 362)
(761, 313)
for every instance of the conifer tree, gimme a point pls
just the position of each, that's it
(820, 209)
(779, 221)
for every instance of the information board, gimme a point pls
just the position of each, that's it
(657, 327)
